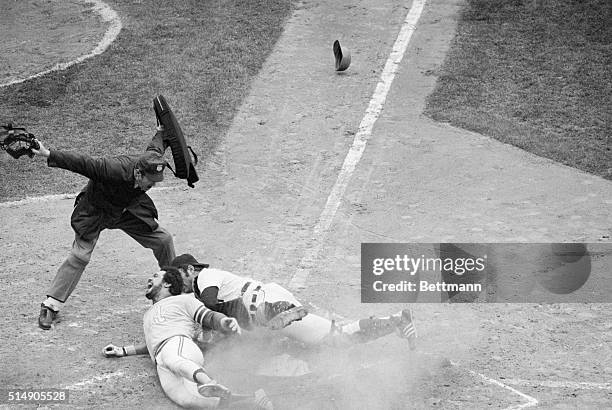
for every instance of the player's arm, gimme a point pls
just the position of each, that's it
(129, 350)
(232, 308)
(158, 142)
(209, 296)
(214, 320)
(100, 169)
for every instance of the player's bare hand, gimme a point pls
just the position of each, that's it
(42, 150)
(113, 351)
(230, 324)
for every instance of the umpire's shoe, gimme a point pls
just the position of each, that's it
(46, 317)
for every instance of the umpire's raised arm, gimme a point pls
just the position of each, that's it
(158, 142)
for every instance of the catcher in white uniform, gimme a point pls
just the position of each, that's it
(169, 328)
(253, 303)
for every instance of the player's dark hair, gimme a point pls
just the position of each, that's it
(174, 279)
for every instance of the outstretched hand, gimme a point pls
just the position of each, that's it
(114, 351)
(42, 150)
(229, 324)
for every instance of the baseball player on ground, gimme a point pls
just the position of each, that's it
(169, 328)
(255, 303)
(114, 198)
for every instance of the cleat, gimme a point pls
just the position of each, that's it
(214, 389)
(287, 317)
(46, 318)
(406, 328)
(262, 402)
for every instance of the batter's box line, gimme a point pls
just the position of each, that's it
(100, 378)
(58, 197)
(530, 401)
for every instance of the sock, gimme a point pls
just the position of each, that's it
(195, 376)
(351, 328)
(53, 304)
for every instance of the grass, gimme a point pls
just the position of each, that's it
(200, 54)
(535, 74)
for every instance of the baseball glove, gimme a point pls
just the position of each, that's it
(17, 141)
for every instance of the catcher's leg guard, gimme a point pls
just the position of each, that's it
(374, 328)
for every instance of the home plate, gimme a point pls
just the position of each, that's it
(283, 365)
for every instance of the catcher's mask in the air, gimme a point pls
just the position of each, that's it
(185, 159)
(342, 56)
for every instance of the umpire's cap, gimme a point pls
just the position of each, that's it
(187, 259)
(152, 164)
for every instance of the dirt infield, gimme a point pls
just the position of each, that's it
(254, 212)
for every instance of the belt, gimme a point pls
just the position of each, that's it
(162, 344)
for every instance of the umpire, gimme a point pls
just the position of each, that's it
(114, 198)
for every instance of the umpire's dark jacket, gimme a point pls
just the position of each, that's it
(108, 195)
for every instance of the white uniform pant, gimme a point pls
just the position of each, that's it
(177, 360)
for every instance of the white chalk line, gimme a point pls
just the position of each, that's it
(92, 380)
(530, 401)
(103, 377)
(108, 15)
(47, 198)
(560, 384)
(359, 143)
(36, 199)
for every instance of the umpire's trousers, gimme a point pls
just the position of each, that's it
(68, 275)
